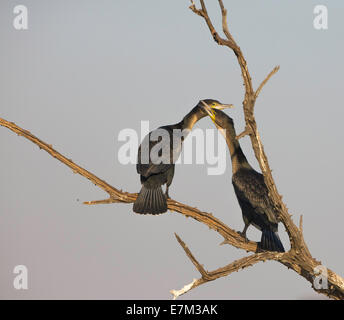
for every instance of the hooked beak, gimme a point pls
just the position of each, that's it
(209, 110)
(223, 106)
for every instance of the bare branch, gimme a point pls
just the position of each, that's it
(105, 201)
(113, 192)
(204, 14)
(229, 42)
(248, 107)
(301, 223)
(225, 24)
(224, 271)
(299, 257)
(198, 266)
(265, 81)
(195, 283)
(246, 132)
(195, 10)
(118, 196)
(230, 236)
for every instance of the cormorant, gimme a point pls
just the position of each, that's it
(250, 188)
(157, 168)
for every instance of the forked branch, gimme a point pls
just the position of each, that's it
(299, 257)
(207, 276)
(118, 196)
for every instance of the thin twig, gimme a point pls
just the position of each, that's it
(265, 81)
(245, 133)
(198, 266)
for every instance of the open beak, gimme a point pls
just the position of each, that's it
(223, 106)
(211, 112)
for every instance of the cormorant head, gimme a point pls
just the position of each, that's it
(218, 117)
(213, 104)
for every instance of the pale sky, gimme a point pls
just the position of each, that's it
(85, 70)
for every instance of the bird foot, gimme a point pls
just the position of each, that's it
(243, 235)
(259, 248)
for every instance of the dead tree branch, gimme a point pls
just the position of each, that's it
(207, 276)
(299, 257)
(265, 81)
(118, 196)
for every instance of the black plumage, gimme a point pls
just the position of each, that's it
(250, 188)
(157, 168)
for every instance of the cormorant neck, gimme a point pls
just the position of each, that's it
(238, 157)
(191, 118)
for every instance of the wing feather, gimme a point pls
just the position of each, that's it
(250, 187)
(154, 162)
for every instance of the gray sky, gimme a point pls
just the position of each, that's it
(84, 70)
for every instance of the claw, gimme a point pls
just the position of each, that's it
(243, 235)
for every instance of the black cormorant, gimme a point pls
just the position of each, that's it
(157, 155)
(250, 188)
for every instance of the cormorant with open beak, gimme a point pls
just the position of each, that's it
(250, 188)
(157, 155)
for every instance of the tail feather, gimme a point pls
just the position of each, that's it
(150, 201)
(263, 242)
(270, 241)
